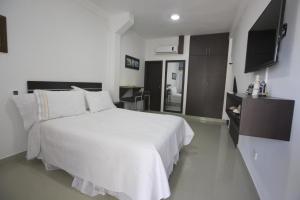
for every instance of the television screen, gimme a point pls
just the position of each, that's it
(264, 37)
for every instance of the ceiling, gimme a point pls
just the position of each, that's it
(152, 17)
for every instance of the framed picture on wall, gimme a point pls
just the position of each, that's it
(3, 35)
(174, 76)
(132, 63)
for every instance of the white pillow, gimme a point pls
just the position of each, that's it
(55, 104)
(98, 101)
(75, 88)
(28, 108)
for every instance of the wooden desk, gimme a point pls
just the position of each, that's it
(128, 93)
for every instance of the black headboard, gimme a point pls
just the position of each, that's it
(61, 86)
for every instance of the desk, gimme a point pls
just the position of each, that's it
(128, 93)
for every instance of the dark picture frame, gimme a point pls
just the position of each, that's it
(132, 63)
(174, 76)
(3, 35)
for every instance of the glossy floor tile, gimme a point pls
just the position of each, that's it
(210, 168)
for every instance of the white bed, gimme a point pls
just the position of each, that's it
(127, 154)
(174, 96)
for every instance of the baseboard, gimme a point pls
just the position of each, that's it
(205, 119)
(12, 156)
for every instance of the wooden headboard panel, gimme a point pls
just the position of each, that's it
(61, 86)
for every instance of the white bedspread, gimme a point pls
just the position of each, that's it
(124, 153)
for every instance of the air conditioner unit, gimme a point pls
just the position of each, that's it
(167, 49)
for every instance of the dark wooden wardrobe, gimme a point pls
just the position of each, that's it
(207, 75)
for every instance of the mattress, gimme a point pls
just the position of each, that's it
(124, 153)
(175, 98)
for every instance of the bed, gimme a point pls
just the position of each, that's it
(126, 154)
(174, 96)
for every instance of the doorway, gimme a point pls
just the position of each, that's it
(174, 86)
(153, 82)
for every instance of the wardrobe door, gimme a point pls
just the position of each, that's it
(199, 45)
(197, 82)
(216, 77)
(218, 44)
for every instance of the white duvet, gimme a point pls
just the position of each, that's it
(124, 153)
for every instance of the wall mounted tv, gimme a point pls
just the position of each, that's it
(264, 37)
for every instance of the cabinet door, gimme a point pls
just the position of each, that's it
(215, 86)
(218, 44)
(199, 45)
(197, 83)
(209, 45)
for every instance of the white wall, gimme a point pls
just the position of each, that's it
(229, 79)
(151, 46)
(133, 45)
(240, 36)
(58, 40)
(276, 172)
(119, 24)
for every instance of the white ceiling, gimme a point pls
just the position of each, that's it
(152, 17)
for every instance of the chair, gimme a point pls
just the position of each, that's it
(147, 94)
(140, 96)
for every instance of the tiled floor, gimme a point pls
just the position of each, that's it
(209, 169)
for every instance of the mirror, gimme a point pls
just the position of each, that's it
(174, 85)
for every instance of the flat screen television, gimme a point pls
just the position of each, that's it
(264, 37)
